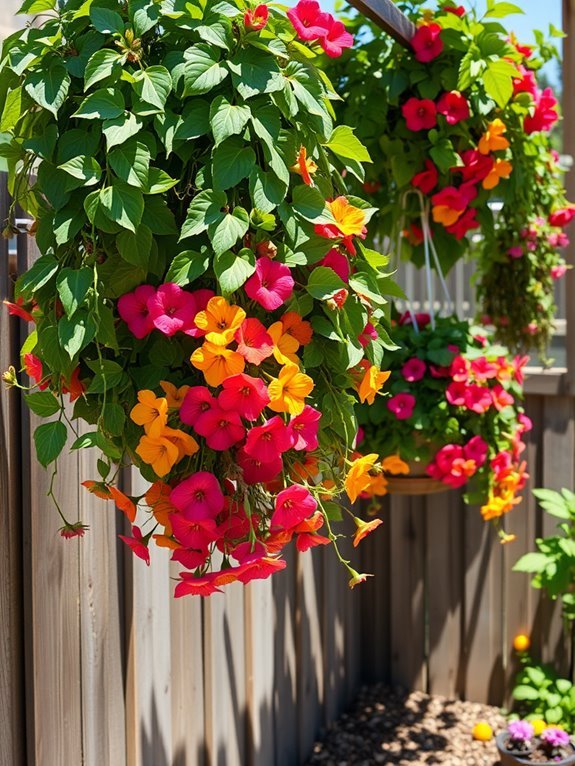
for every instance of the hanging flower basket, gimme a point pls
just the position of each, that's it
(519, 747)
(453, 416)
(202, 295)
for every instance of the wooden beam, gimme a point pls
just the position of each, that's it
(388, 16)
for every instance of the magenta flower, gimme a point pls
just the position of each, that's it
(266, 442)
(478, 399)
(446, 456)
(133, 309)
(271, 284)
(193, 533)
(413, 370)
(401, 405)
(337, 262)
(554, 737)
(197, 400)
(245, 395)
(308, 20)
(137, 544)
(515, 252)
(201, 298)
(455, 393)
(172, 309)
(292, 506)
(257, 471)
(220, 428)
(303, 429)
(476, 449)
(336, 39)
(198, 497)
(368, 334)
(520, 731)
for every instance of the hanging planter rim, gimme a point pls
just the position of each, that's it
(510, 759)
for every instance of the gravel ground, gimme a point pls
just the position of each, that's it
(394, 727)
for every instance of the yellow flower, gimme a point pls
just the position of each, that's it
(150, 412)
(395, 465)
(358, 477)
(289, 390)
(492, 140)
(371, 383)
(185, 443)
(482, 732)
(539, 726)
(504, 538)
(350, 219)
(158, 452)
(364, 528)
(285, 345)
(501, 169)
(175, 396)
(220, 320)
(217, 362)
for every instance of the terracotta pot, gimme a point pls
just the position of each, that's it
(509, 759)
(417, 482)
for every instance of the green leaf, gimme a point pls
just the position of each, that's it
(36, 6)
(103, 104)
(13, 109)
(232, 162)
(153, 86)
(233, 269)
(563, 685)
(205, 209)
(114, 419)
(498, 81)
(106, 21)
(253, 72)
(531, 562)
(202, 70)
(73, 286)
(73, 334)
(131, 162)
(104, 63)
(109, 375)
(135, 247)
(227, 119)
(48, 88)
(120, 129)
(500, 10)
(49, 439)
(344, 143)
(309, 203)
(85, 169)
(144, 14)
(123, 204)
(159, 182)
(159, 217)
(188, 266)
(266, 190)
(324, 283)
(225, 234)
(195, 120)
(43, 403)
(37, 275)
(524, 692)
(444, 155)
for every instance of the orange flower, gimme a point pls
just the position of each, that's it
(364, 528)
(357, 578)
(329, 485)
(289, 390)
(501, 169)
(305, 470)
(358, 477)
(350, 220)
(505, 538)
(305, 166)
(185, 443)
(159, 452)
(285, 345)
(492, 140)
(217, 362)
(124, 503)
(98, 488)
(165, 541)
(395, 465)
(151, 412)
(371, 383)
(174, 395)
(377, 485)
(297, 327)
(158, 498)
(220, 320)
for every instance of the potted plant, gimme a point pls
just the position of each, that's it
(178, 161)
(519, 746)
(453, 414)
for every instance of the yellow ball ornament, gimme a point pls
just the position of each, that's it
(521, 643)
(482, 732)
(539, 725)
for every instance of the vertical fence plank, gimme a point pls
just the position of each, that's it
(407, 523)
(336, 642)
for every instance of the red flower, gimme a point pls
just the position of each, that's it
(260, 568)
(199, 496)
(193, 533)
(476, 449)
(421, 318)
(256, 19)
(464, 223)
(526, 82)
(303, 428)
(426, 181)
(336, 39)
(74, 386)
(196, 586)
(478, 399)
(368, 334)
(563, 216)
(419, 114)
(427, 43)
(545, 114)
(254, 342)
(308, 20)
(69, 531)
(476, 166)
(246, 395)
(138, 544)
(337, 262)
(454, 107)
(267, 441)
(220, 428)
(34, 370)
(292, 506)
(458, 10)
(197, 400)
(258, 471)
(18, 309)
(501, 397)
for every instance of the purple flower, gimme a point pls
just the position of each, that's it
(520, 731)
(555, 737)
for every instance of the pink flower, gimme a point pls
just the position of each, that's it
(426, 181)
(455, 393)
(172, 309)
(558, 271)
(476, 449)
(197, 400)
(267, 441)
(459, 369)
(563, 216)
(292, 506)
(427, 43)
(401, 405)
(558, 239)
(272, 283)
(254, 342)
(221, 428)
(308, 20)
(478, 399)
(256, 19)
(245, 395)
(545, 114)
(193, 533)
(419, 113)
(137, 544)
(201, 299)
(482, 369)
(413, 369)
(446, 456)
(501, 397)
(198, 497)
(525, 423)
(189, 558)
(260, 569)
(133, 309)
(515, 252)
(337, 262)
(525, 82)
(258, 471)
(421, 318)
(453, 105)
(336, 39)
(196, 586)
(368, 334)
(303, 429)
(501, 463)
